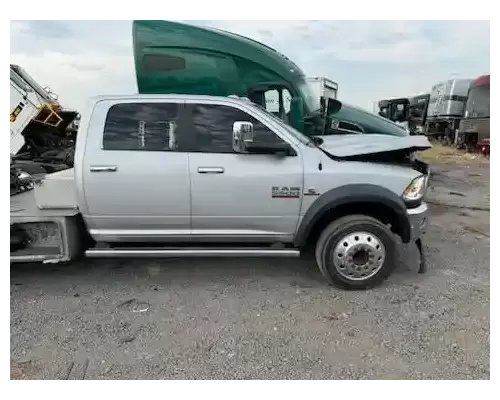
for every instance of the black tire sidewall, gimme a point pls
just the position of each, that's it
(377, 229)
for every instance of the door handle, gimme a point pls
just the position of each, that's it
(210, 170)
(104, 168)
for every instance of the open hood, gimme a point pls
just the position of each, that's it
(343, 146)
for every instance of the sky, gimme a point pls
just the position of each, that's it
(370, 60)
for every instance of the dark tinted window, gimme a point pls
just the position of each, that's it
(163, 62)
(212, 126)
(141, 126)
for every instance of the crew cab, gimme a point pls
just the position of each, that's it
(198, 176)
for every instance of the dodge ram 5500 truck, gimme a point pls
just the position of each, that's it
(190, 175)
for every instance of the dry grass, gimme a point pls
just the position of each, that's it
(449, 155)
(20, 370)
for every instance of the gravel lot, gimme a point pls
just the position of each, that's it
(273, 319)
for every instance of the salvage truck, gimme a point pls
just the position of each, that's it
(220, 176)
(474, 127)
(446, 108)
(41, 136)
(410, 112)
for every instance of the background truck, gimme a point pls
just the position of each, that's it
(198, 176)
(474, 127)
(410, 112)
(172, 57)
(417, 113)
(396, 110)
(42, 138)
(446, 108)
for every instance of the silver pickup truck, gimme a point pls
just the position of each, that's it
(199, 176)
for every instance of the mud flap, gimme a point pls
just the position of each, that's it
(423, 264)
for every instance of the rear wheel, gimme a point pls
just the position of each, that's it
(356, 252)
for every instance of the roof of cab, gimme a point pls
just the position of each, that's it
(166, 97)
(142, 98)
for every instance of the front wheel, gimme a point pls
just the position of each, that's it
(356, 252)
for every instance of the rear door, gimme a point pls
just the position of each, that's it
(136, 182)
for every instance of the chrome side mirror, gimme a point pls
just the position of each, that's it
(243, 136)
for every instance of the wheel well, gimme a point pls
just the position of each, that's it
(383, 213)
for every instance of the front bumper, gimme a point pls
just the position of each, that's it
(418, 220)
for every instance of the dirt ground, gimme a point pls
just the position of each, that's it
(268, 319)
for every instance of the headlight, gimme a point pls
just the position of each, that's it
(415, 191)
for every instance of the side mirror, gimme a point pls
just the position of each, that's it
(334, 106)
(297, 113)
(243, 136)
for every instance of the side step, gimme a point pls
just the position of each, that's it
(191, 252)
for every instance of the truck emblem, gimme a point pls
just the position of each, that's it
(285, 192)
(311, 192)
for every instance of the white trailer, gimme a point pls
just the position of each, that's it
(323, 87)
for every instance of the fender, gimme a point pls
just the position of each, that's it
(349, 194)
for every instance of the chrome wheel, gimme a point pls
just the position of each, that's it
(359, 256)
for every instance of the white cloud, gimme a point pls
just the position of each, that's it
(368, 41)
(369, 59)
(75, 78)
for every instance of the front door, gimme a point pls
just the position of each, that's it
(136, 182)
(239, 196)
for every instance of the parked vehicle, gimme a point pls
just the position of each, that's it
(411, 112)
(200, 176)
(176, 58)
(40, 140)
(446, 108)
(396, 110)
(474, 127)
(323, 87)
(418, 113)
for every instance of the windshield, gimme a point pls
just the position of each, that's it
(311, 101)
(417, 110)
(299, 135)
(371, 123)
(478, 103)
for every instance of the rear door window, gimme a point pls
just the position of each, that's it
(142, 127)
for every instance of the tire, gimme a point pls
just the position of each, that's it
(362, 234)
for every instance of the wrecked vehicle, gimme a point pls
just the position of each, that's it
(474, 127)
(41, 138)
(208, 176)
(446, 108)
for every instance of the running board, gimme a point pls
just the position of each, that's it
(186, 252)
